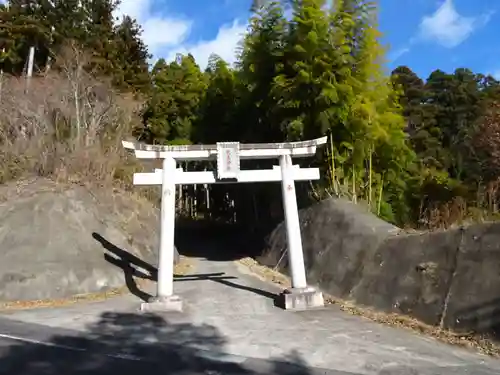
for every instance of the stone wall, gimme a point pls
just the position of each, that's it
(448, 278)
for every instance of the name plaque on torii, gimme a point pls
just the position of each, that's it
(228, 156)
(228, 160)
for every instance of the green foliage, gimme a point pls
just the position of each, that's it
(117, 51)
(218, 106)
(304, 70)
(442, 117)
(261, 60)
(129, 56)
(173, 107)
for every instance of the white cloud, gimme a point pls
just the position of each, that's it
(167, 36)
(224, 45)
(158, 31)
(496, 74)
(396, 54)
(133, 8)
(448, 28)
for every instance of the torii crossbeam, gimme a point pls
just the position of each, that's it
(228, 156)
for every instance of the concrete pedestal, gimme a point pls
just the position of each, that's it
(300, 299)
(163, 304)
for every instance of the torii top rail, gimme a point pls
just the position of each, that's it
(207, 152)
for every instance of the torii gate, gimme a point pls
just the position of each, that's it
(228, 156)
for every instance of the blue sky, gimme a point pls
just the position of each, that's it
(423, 34)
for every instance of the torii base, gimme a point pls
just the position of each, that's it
(163, 304)
(300, 299)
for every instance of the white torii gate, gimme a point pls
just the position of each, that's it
(228, 156)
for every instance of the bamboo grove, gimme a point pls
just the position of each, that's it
(413, 150)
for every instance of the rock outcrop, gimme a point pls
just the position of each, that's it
(447, 278)
(58, 240)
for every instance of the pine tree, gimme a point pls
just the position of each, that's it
(486, 144)
(412, 95)
(173, 108)
(220, 102)
(22, 26)
(130, 56)
(455, 102)
(117, 52)
(99, 38)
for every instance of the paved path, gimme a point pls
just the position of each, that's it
(229, 326)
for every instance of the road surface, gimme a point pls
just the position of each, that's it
(229, 326)
(29, 349)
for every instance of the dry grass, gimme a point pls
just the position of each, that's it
(472, 341)
(68, 126)
(459, 211)
(266, 273)
(182, 268)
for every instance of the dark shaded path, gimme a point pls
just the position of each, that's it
(217, 241)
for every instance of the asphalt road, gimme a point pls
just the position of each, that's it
(233, 315)
(29, 349)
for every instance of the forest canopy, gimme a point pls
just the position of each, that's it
(418, 151)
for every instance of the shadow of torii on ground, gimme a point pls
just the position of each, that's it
(134, 267)
(220, 277)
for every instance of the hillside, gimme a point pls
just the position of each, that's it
(59, 240)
